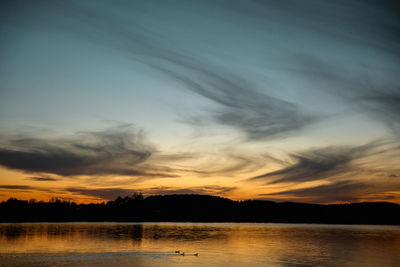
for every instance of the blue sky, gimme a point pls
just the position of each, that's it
(281, 100)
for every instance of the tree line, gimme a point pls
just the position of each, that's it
(197, 208)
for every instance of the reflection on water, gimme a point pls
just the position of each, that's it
(124, 244)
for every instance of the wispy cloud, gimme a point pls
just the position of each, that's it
(363, 38)
(378, 98)
(43, 179)
(257, 114)
(225, 163)
(384, 105)
(205, 190)
(341, 191)
(17, 187)
(319, 163)
(115, 151)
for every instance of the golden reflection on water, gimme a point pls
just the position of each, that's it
(217, 244)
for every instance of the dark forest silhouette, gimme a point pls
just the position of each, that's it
(198, 208)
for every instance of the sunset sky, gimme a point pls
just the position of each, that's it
(276, 100)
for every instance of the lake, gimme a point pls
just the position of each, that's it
(217, 244)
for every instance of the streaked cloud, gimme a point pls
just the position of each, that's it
(115, 151)
(256, 114)
(204, 190)
(341, 191)
(43, 179)
(17, 187)
(383, 105)
(320, 163)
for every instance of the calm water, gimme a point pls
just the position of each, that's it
(154, 244)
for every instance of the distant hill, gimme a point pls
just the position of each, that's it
(198, 208)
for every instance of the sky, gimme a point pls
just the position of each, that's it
(275, 100)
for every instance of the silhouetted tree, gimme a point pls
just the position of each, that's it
(198, 208)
